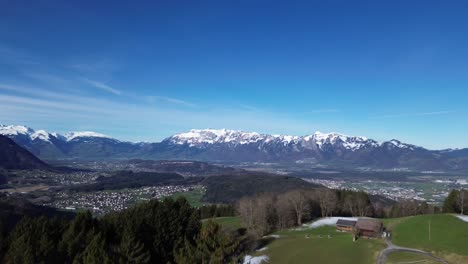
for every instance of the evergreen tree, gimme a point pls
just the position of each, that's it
(96, 252)
(132, 251)
(35, 241)
(450, 203)
(214, 245)
(78, 235)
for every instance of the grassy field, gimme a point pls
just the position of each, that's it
(448, 239)
(194, 197)
(406, 257)
(437, 233)
(443, 235)
(293, 246)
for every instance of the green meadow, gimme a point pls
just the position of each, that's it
(443, 235)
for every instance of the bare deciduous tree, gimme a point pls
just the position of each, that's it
(327, 201)
(286, 213)
(298, 201)
(461, 200)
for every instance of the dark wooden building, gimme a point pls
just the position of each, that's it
(368, 228)
(345, 225)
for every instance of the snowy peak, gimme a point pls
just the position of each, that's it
(203, 137)
(348, 142)
(42, 135)
(196, 137)
(84, 134)
(398, 144)
(12, 130)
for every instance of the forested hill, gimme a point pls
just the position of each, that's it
(13, 210)
(230, 188)
(15, 157)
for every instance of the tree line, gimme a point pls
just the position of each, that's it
(168, 231)
(216, 210)
(266, 213)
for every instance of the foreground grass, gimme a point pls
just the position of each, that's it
(443, 235)
(406, 257)
(448, 239)
(293, 246)
(439, 233)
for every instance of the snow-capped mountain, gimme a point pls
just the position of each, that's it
(57, 146)
(225, 145)
(24, 131)
(203, 138)
(84, 134)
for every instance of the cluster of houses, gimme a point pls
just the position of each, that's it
(362, 228)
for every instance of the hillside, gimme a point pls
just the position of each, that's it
(129, 179)
(229, 188)
(443, 235)
(12, 209)
(14, 157)
(186, 168)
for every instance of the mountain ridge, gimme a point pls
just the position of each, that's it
(226, 134)
(223, 145)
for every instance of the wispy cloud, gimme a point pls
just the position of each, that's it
(249, 108)
(103, 86)
(433, 113)
(16, 56)
(73, 111)
(170, 100)
(322, 111)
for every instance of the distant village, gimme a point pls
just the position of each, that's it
(102, 202)
(436, 191)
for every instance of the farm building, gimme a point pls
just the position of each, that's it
(368, 228)
(345, 225)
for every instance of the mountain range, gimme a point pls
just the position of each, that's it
(324, 149)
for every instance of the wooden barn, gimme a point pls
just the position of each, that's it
(345, 225)
(368, 228)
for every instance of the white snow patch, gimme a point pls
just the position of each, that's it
(255, 260)
(463, 217)
(15, 130)
(329, 221)
(72, 135)
(273, 236)
(262, 249)
(42, 135)
(462, 182)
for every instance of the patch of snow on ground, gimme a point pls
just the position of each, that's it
(329, 221)
(273, 236)
(463, 217)
(262, 249)
(255, 260)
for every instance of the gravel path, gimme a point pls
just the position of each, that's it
(382, 259)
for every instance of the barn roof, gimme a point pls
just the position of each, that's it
(343, 222)
(369, 224)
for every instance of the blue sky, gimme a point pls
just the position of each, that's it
(143, 71)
